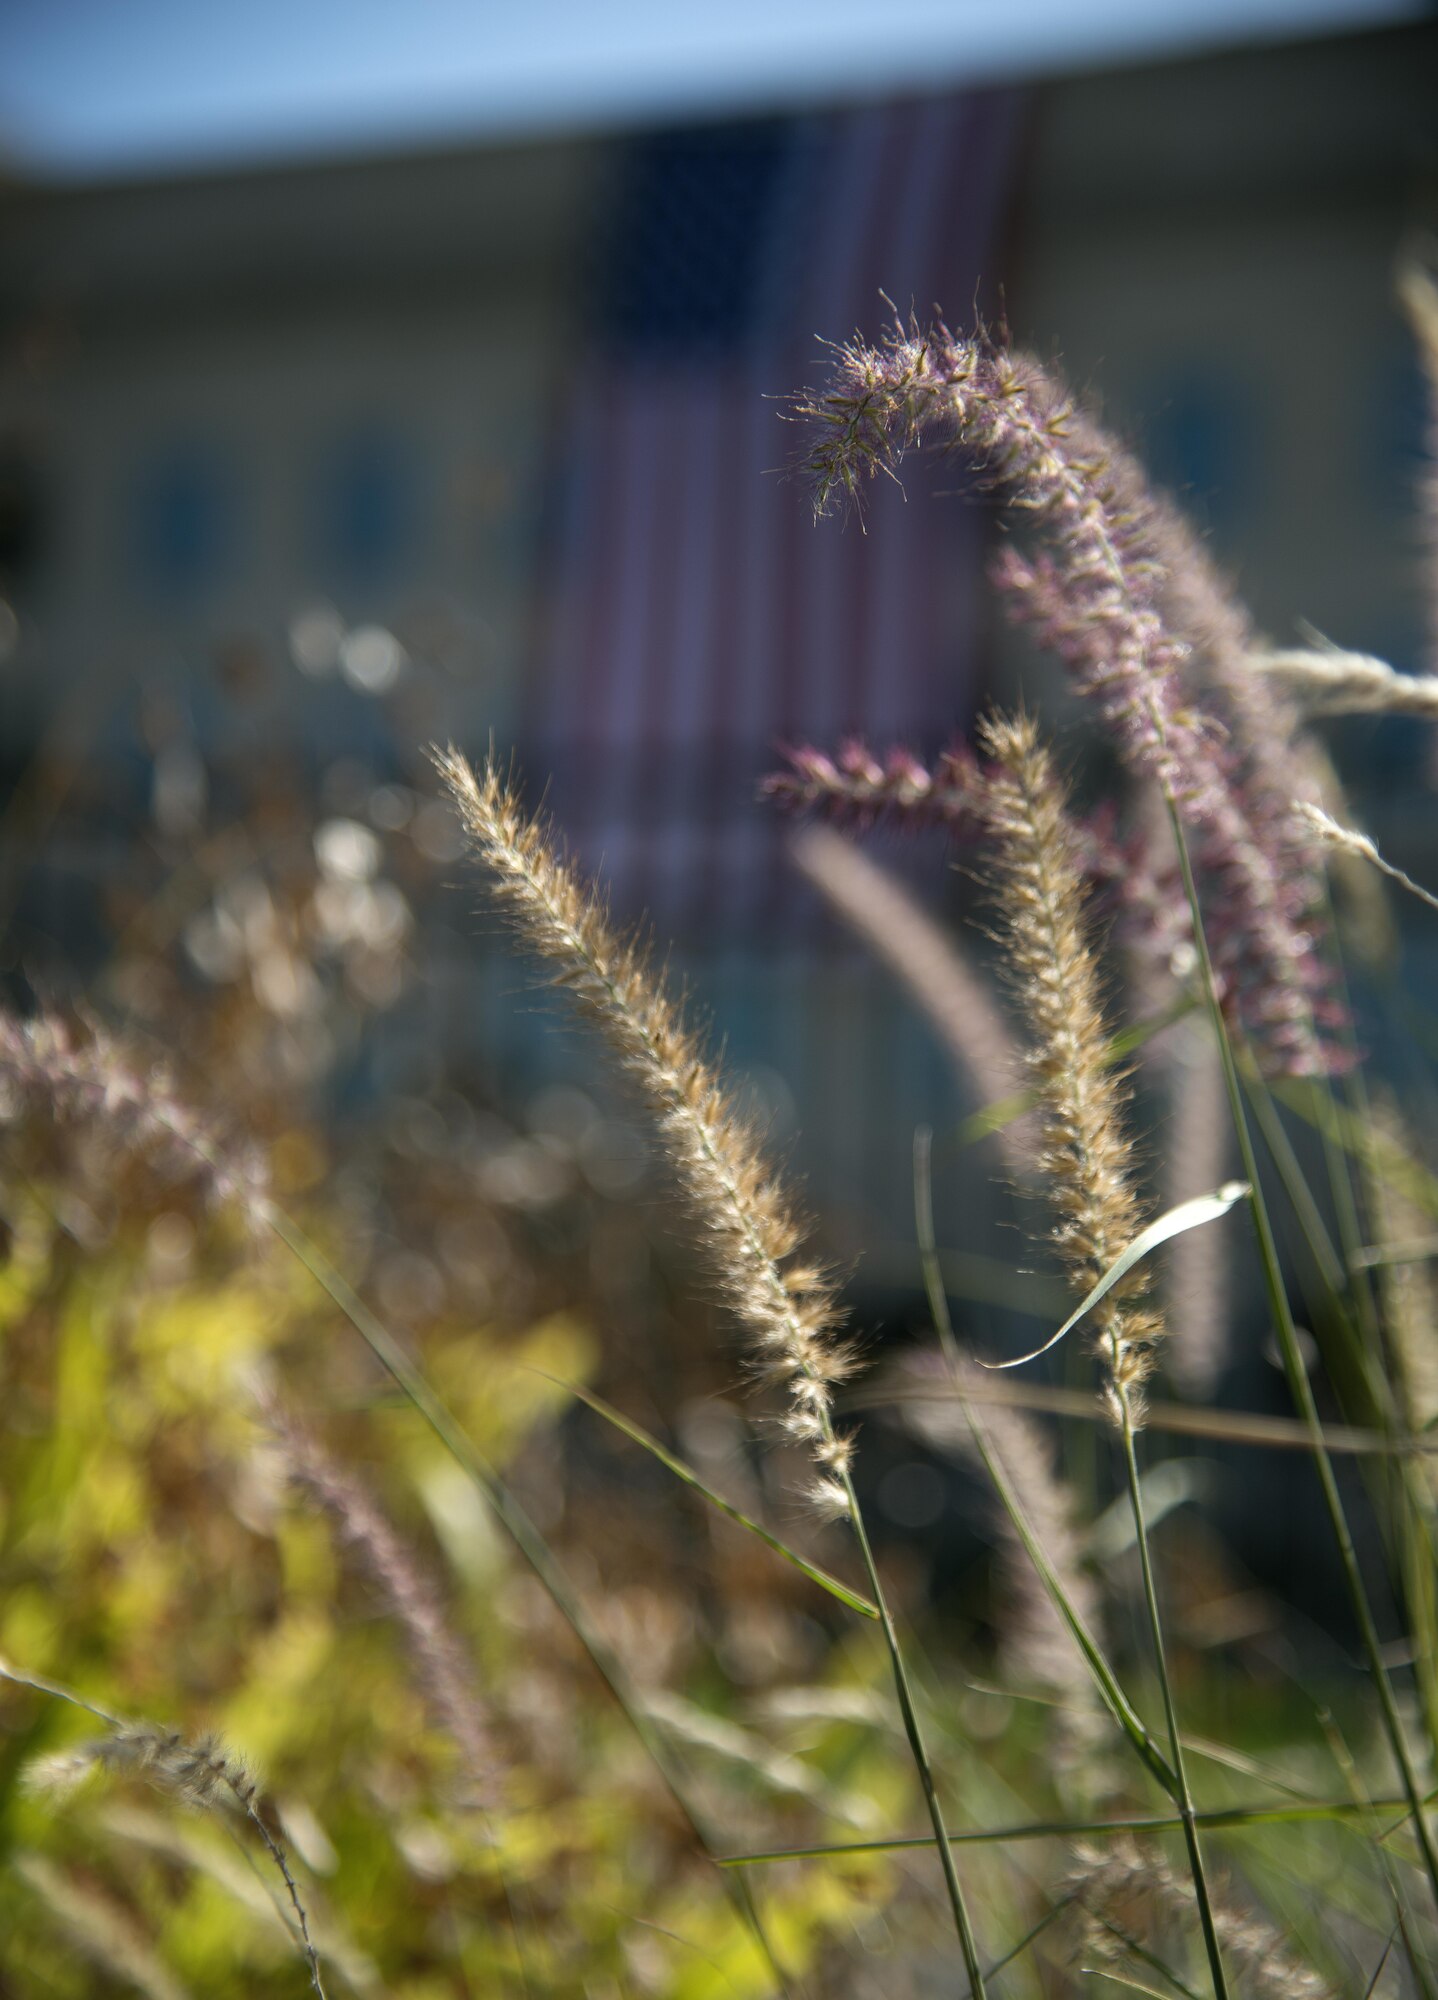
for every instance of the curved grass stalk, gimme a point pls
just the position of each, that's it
(197, 1773)
(1242, 1427)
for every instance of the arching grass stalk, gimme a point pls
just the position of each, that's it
(1230, 1819)
(740, 1206)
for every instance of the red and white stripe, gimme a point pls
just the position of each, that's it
(695, 615)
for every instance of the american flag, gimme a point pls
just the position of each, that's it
(693, 616)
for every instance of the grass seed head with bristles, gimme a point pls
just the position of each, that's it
(1094, 590)
(1333, 682)
(411, 1598)
(198, 1773)
(860, 790)
(1125, 1892)
(1053, 968)
(753, 1235)
(76, 1078)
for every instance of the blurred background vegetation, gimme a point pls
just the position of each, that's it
(300, 444)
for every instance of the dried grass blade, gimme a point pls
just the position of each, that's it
(1188, 1215)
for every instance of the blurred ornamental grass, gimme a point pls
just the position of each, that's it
(518, 1740)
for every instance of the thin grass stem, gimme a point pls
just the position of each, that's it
(1155, 1626)
(918, 1749)
(1241, 1427)
(1031, 1935)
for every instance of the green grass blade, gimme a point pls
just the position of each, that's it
(853, 1598)
(1134, 1985)
(1336, 1121)
(1217, 1819)
(1034, 1932)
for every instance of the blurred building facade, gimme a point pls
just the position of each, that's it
(300, 470)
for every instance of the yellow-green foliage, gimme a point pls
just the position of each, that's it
(153, 1559)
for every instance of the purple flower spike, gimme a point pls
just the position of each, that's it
(1121, 592)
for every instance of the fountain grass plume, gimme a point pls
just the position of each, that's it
(787, 1304)
(1095, 591)
(1123, 1890)
(1325, 681)
(754, 1238)
(75, 1075)
(438, 1660)
(1087, 1155)
(861, 790)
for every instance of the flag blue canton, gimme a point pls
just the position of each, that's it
(686, 263)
